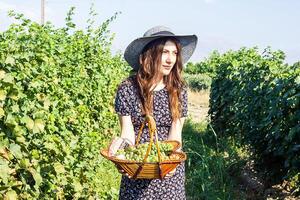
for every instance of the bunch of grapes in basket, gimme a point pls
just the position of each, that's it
(137, 153)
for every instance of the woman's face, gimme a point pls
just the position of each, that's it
(168, 58)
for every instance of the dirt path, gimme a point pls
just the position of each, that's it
(198, 105)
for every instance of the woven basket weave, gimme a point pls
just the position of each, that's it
(149, 170)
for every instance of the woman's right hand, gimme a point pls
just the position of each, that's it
(115, 146)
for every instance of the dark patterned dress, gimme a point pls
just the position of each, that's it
(127, 103)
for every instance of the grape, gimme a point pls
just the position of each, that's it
(137, 153)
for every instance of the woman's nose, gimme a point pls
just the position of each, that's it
(168, 59)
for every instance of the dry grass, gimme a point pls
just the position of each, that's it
(199, 98)
(198, 105)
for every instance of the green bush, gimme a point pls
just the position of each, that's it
(256, 97)
(207, 66)
(56, 108)
(198, 82)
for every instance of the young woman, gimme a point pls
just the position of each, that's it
(156, 89)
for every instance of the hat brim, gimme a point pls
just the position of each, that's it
(135, 48)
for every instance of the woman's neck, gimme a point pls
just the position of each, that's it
(159, 85)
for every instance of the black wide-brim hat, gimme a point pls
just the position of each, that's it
(134, 49)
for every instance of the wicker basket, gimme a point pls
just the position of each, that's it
(149, 170)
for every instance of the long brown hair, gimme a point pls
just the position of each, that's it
(147, 76)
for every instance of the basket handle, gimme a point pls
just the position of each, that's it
(152, 131)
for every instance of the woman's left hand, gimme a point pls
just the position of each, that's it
(171, 173)
(122, 171)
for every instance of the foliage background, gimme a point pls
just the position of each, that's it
(56, 107)
(256, 99)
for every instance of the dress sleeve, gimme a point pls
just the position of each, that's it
(122, 101)
(184, 102)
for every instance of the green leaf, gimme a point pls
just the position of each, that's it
(35, 154)
(2, 74)
(29, 123)
(4, 171)
(35, 126)
(59, 168)
(8, 78)
(21, 140)
(2, 113)
(35, 84)
(15, 108)
(47, 103)
(18, 131)
(297, 80)
(15, 149)
(38, 126)
(15, 95)
(9, 60)
(77, 186)
(10, 120)
(2, 95)
(11, 195)
(36, 176)
(24, 163)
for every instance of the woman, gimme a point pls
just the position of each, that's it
(156, 89)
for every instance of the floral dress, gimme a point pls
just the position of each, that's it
(127, 103)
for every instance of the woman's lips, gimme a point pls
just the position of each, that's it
(167, 66)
